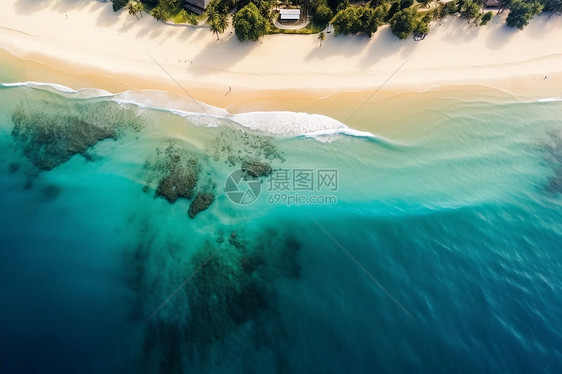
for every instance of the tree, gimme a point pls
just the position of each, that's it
(394, 8)
(404, 22)
(376, 3)
(381, 12)
(354, 20)
(486, 17)
(118, 4)
(424, 3)
(343, 5)
(441, 10)
(168, 5)
(367, 22)
(306, 5)
(470, 10)
(521, 13)
(504, 4)
(218, 24)
(159, 14)
(264, 7)
(552, 6)
(249, 24)
(406, 4)
(451, 7)
(135, 8)
(323, 14)
(421, 29)
(189, 17)
(321, 37)
(345, 21)
(211, 12)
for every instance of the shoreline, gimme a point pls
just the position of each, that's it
(284, 73)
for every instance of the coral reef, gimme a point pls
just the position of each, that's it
(200, 203)
(52, 134)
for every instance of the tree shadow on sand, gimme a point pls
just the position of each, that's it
(107, 17)
(61, 6)
(383, 44)
(212, 58)
(542, 24)
(455, 30)
(500, 36)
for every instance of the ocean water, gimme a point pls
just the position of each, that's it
(435, 250)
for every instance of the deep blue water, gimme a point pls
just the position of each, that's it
(443, 252)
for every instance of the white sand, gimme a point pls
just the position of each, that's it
(114, 47)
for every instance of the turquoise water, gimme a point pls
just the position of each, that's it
(439, 249)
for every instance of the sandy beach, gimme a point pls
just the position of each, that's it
(84, 44)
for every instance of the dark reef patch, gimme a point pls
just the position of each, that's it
(200, 203)
(256, 168)
(227, 297)
(13, 167)
(176, 171)
(51, 134)
(50, 192)
(236, 147)
(553, 150)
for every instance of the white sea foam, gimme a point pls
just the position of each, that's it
(296, 124)
(161, 100)
(58, 87)
(81, 93)
(550, 100)
(280, 123)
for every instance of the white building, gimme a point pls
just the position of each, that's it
(289, 14)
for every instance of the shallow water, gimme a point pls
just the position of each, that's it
(438, 248)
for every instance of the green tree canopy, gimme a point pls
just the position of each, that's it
(118, 4)
(249, 24)
(469, 10)
(135, 8)
(552, 5)
(406, 4)
(520, 13)
(354, 20)
(486, 17)
(159, 14)
(394, 8)
(323, 14)
(404, 22)
(218, 22)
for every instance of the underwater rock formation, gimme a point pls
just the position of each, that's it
(50, 135)
(256, 168)
(177, 173)
(554, 157)
(201, 202)
(227, 296)
(236, 147)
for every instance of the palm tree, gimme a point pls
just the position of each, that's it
(135, 8)
(218, 24)
(222, 23)
(321, 37)
(306, 6)
(159, 14)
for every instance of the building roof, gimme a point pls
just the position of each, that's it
(197, 6)
(290, 14)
